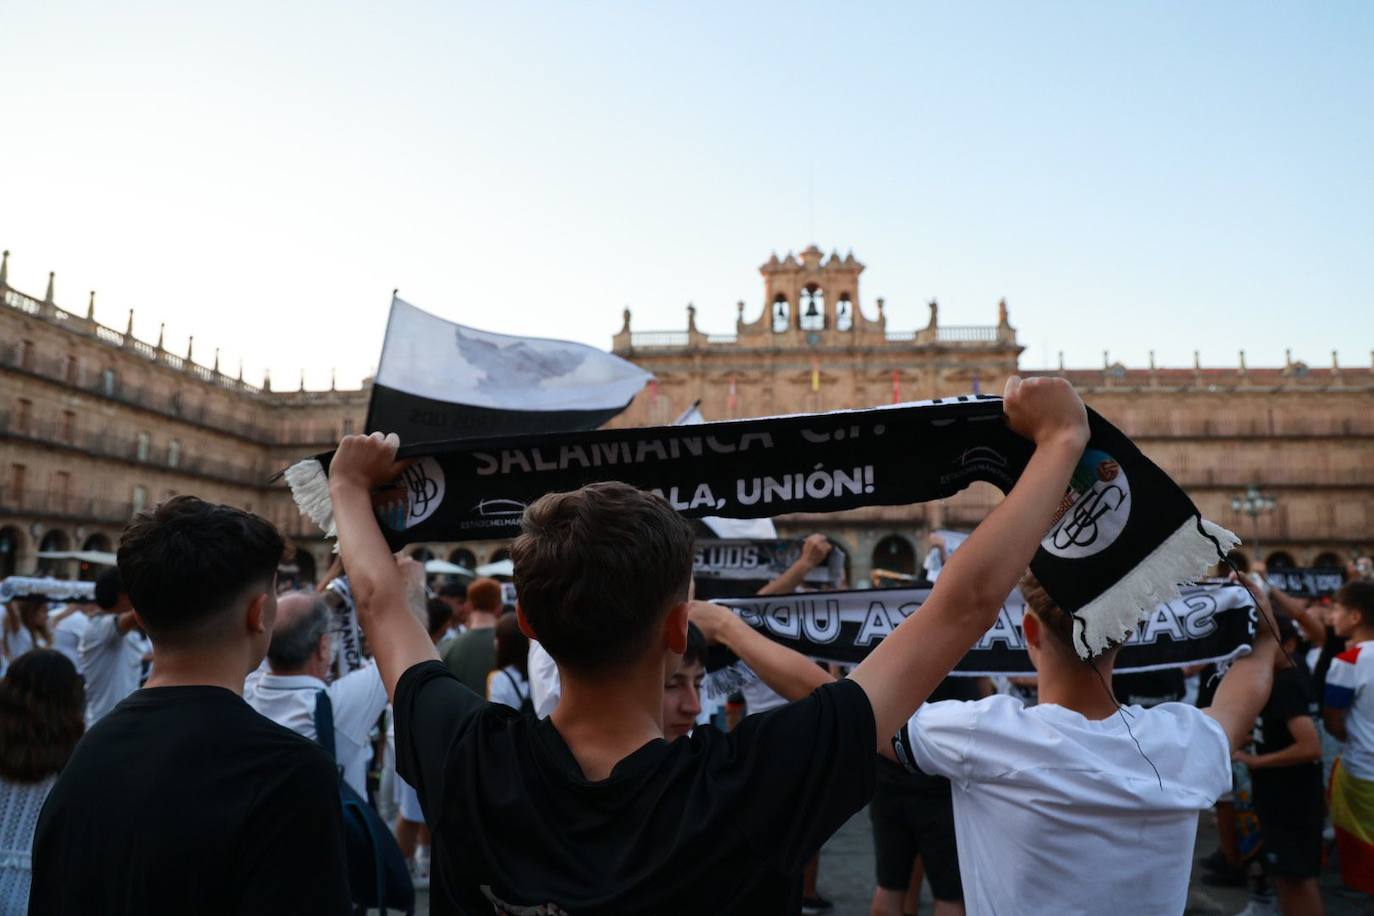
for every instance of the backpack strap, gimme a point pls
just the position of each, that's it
(324, 722)
(515, 685)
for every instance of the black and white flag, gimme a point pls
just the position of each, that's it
(439, 380)
(1207, 623)
(760, 561)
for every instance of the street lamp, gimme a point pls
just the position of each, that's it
(1254, 504)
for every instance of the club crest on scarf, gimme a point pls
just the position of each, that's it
(410, 498)
(1094, 510)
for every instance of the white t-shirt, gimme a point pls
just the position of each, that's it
(1056, 813)
(507, 686)
(545, 686)
(357, 700)
(111, 663)
(759, 697)
(66, 638)
(1350, 686)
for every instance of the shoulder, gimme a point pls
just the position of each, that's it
(1350, 656)
(1186, 721)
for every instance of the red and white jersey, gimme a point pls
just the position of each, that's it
(1350, 686)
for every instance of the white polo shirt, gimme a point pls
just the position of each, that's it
(111, 663)
(357, 698)
(1058, 813)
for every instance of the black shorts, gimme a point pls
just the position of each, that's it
(1292, 838)
(909, 822)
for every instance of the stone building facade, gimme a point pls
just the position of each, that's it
(95, 423)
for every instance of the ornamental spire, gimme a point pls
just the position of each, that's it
(47, 297)
(90, 307)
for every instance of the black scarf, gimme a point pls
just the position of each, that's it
(1207, 623)
(1125, 534)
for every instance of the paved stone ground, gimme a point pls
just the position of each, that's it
(846, 878)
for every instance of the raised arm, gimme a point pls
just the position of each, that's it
(790, 674)
(380, 589)
(906, 666)
(1308, 620)
(1244, 690)
(814, 551)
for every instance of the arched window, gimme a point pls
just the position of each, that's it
(499, 554)
(422, 554)
(1327, 560)
(1280, 559)
(782, 313)
(9, 550)
(463, 557)
(844, 313)
(811, 308)
(895, 553)
(96, 542)
(145, 443)
(174, 453)
(54, 540)
(305, 566)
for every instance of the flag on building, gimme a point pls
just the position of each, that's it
(442, 380)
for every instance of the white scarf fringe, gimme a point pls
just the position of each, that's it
(1184, 556)
(310, 489)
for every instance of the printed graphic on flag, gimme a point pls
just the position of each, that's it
(442, 380)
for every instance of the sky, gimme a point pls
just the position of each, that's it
(1131, 177)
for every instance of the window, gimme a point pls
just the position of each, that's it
(140, 498)
(59, 488)
(348, 427)
(68, 426)
(811, 308)
(72, 369)
(844, 313)
(174, 453)
(26, 354)
(781, 313)
(107, 382)
(145, 443)
(17, 474)
(25, 416)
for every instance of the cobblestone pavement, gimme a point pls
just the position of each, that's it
(846, 878)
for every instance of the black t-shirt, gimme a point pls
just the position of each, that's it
(184, 800)
(1149, 688)
(1299, 786)
(709, 823)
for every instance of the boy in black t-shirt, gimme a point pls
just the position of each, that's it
(1286, 780)
(590, 810)
(182, 799)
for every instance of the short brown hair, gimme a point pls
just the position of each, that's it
(597, 570)
(187, 561)
(1050, 614)
(1358, 595)
(485, 595)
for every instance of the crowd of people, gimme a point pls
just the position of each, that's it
(555, 755)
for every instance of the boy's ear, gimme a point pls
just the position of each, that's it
(675, 629)
(257, 614)
(1033, 628)
(522, 622)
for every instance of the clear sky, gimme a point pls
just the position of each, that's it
(1131, 176)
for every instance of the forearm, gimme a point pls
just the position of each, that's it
(1313, 629)
(397, 638)
(126, 622)
(1334, 719)
(787, 583)
(1244, 690)
(790, 674)
(1292, 755)
(906, 666)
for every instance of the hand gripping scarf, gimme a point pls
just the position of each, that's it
(1123, 538)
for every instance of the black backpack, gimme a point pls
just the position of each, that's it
(377, 873)
(526, 704)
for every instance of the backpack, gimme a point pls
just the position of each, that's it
(377, 872)
(526, 707)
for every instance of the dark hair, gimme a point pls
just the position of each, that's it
(108, 588)
(1239, 560)
(1287, 629)
(597, 570)
(1358, 595)
(295, 641)
(484, 595)
(453, 590)
(42, 706)
(696, 646)
(439, 615)
(188, 561)
(512, 645)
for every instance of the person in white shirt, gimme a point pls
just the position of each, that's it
(110, 651)
(1076, 805)
(508, 683)
(69, 625)
(298, 660)
(25, 627)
